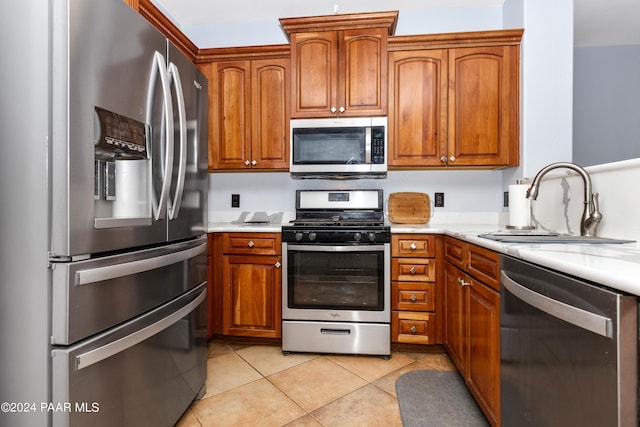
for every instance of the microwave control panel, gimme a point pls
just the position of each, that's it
(377, 145)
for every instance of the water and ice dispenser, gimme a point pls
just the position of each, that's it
(122, 171)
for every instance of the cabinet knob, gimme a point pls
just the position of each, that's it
(461, 282)
(412, 270)
(253, 162)
(413, 329)
(333, 109)
(246, 163)
(251, 244)
(413, 246)
(443, 159)
(452, 159)
(413, 298)
(278, 264)
(342, 109)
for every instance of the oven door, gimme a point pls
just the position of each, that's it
(340, 283)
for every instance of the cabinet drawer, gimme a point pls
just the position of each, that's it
(484, 265)
(411, 245)
(413, 269)
(252, 244)
(454, 252)
(412, 327)
(413, 296)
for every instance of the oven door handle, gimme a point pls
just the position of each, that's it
(335, 248)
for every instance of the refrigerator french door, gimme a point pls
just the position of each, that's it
(129, 165)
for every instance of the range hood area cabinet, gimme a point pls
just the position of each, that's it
(339, 64)
(248, 107)
(454, 100)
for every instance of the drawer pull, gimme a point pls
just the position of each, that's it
(251, 244)
(413, 246)
(413, 329)
(278, 264)
(412, 270)
(413, 298)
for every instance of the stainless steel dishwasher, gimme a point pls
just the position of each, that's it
(568, 350)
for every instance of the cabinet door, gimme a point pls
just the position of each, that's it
(230, 115)
(251, 293)
(483, 106)
(483, 377)
(314, 73)
(270, 114)
(418, 114)
(456, 320)
(363, 69)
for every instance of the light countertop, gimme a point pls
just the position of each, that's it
(614, 265)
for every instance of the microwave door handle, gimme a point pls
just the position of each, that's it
(174, 207)
(368, 145)
(159, 69)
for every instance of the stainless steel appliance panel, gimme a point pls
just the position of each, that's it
(336, 337)
(96, 64)
(568, 350)
(187, 209)
(94, 295)
(320, 283)
(338, 147)
(143, 373)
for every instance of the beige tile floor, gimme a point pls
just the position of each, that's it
(259, 386)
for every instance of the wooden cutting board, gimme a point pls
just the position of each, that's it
(409, 208)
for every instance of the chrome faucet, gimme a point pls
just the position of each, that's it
(591, 216)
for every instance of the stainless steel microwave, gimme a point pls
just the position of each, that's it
(339, 148)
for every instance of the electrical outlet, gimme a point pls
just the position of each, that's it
(505, 199)
(235, 200)
(439, 202)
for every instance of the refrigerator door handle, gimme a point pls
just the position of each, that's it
(84, 277)
(101, 353)
(160, 69)
(174, 207)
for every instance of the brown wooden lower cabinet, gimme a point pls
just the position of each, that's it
(472, 315)
(246, 281)
(414, 294)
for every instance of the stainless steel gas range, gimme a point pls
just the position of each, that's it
(336, 287)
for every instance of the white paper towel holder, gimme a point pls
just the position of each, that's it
(522, 181)
(520, 227)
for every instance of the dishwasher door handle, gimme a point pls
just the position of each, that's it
(595, 323)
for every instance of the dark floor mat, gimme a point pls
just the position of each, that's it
(436, 398)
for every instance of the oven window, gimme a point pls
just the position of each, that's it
(329, 146)
(336, 280)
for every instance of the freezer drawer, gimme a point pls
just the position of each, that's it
(144, 373)
(94, 295)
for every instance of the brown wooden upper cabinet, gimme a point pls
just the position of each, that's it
(339, 64)
(248, 112)
(454, 100)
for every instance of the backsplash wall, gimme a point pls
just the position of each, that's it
(559, 204)
(465, 191)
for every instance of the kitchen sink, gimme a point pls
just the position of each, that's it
(533, 237)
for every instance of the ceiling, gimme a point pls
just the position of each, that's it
(597, 22)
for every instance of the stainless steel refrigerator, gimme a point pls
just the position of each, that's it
(103, 181)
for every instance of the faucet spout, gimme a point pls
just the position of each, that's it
(591, 216)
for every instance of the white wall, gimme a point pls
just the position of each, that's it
(546, 98)
(606, 119)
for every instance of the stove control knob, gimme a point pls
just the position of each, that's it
(298, 236)
(372, 237)
(357, 237)
(312, 236)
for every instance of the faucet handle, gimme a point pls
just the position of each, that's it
(594, 208)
